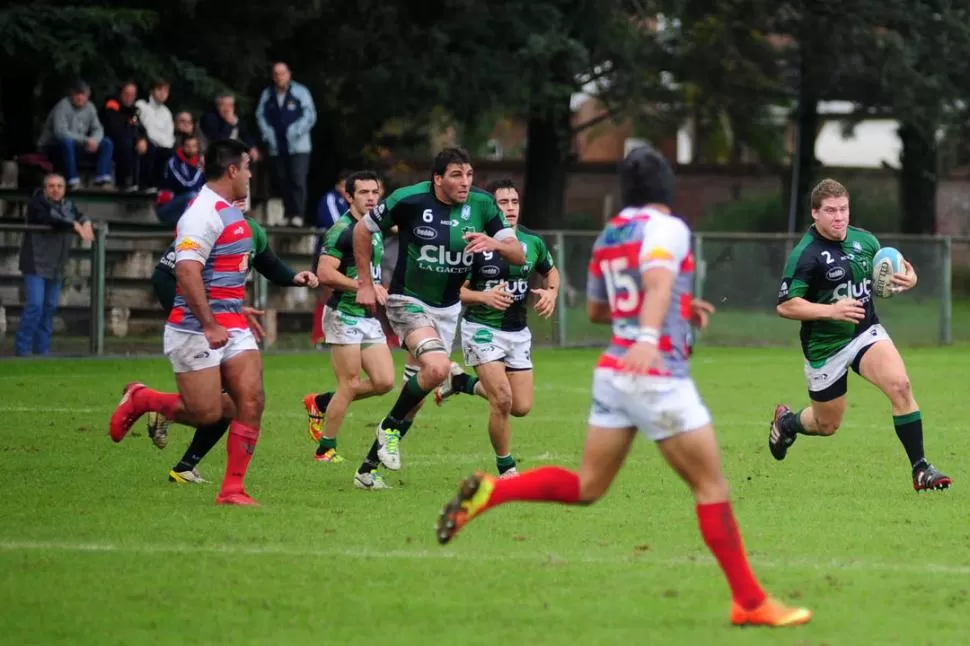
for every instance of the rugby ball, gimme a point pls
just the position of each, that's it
(887, 262)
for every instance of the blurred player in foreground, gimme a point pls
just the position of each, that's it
(640, 279)
(827, 286)
(207, 336)
(495, 337)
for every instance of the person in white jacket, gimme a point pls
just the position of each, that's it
(159, 125)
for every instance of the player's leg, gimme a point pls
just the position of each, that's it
(242, 374)
(203, 441)
(498, 390)
(345, 360)
(693, 454)
(882, 365)
(608, 439)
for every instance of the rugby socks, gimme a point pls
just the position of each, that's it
(504, 462)
(323, 400)
(545, 484)
(720, 532)
(909, 430)
(464, 383)
(411, 395)
(239, 447)
(371, 462)
(326, 444)
(204, 439)
(796, 423)
(147, 399)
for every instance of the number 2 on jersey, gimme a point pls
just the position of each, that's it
(621, 287)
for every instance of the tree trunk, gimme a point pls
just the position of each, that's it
(918, 179)
(808, 165)
(547, 154)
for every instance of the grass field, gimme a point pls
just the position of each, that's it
(96, 547)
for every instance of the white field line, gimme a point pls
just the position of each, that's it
(447, 554)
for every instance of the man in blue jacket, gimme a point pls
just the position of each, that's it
(286, 115)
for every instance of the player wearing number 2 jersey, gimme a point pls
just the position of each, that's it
(639, 280)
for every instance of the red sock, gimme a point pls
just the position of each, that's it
(239, 446)
(721, 534)
(545, 484)
(149, 400)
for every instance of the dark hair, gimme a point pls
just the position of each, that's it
(344, 174)
(504, 182)
(126, 83)
(360, 176)
(646, 178)
(447, 157)
(222, 154)
(78, 86)
(157, 83)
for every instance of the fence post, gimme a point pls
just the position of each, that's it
(98, 247)
(946, 300)
(561, 297)
(700, 267)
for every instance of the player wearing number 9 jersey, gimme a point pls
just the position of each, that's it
(639, 281)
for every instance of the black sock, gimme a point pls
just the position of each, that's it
(909, 430)
(464, 383)
(371, 462)
(204, 439)
(411, 395)
(323, 400)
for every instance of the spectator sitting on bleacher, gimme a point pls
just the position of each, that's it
(159, 126)
(43, 256)
(73, 130)
(134, 156)
(224, 123)
(184, 178)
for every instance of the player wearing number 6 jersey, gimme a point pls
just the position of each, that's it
(640, 280)
(495, 338)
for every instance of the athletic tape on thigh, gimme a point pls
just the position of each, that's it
(432, 344)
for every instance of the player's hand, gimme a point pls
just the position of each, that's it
(381, 292)
(498, 298)
(252, 318)
(367, 296)
(546, 304)
(306, 279)
(848, 310)
(216, 335)
(905, 280)
(700, 313)
(641, 358)
(479, 242)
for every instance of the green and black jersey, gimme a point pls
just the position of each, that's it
(825, 271)
(339, 244)
(489, 269)
(433, 264)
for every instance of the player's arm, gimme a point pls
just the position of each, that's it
(497, 298)
(498, 237)
(597, 296)
(193, 244)
(378, 220)
(547, 295)
(800, 271)
(267, 263)
(328, 271)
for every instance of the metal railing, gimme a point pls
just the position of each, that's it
(738, 272)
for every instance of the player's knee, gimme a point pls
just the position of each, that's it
(501, 399)
(250, 407)
(900, 391)
(437, 368)
(382, 384)
(207, 416)
(591, 490)
(348, 383)
(521, 408)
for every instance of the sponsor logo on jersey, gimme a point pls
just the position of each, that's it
(490, 270)
(466, 212)
(525, 248)
(425, 233)
(835, 273)
(857, 246)
(187, 244)
(849, 289)
(443, 261)
(783, 292)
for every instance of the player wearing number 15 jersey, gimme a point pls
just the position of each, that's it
(639, 281)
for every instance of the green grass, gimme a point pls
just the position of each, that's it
(97, 548)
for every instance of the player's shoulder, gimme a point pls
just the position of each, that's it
(479, 196)
(411, 194)
(526, 235)
(862, 236)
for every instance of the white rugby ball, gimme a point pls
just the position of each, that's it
(885, 263)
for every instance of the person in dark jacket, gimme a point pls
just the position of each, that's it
(224, 123)
(43, 256)
(183, 179)
(134, 154)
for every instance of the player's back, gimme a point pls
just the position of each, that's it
(636, 240)
(217, 235)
